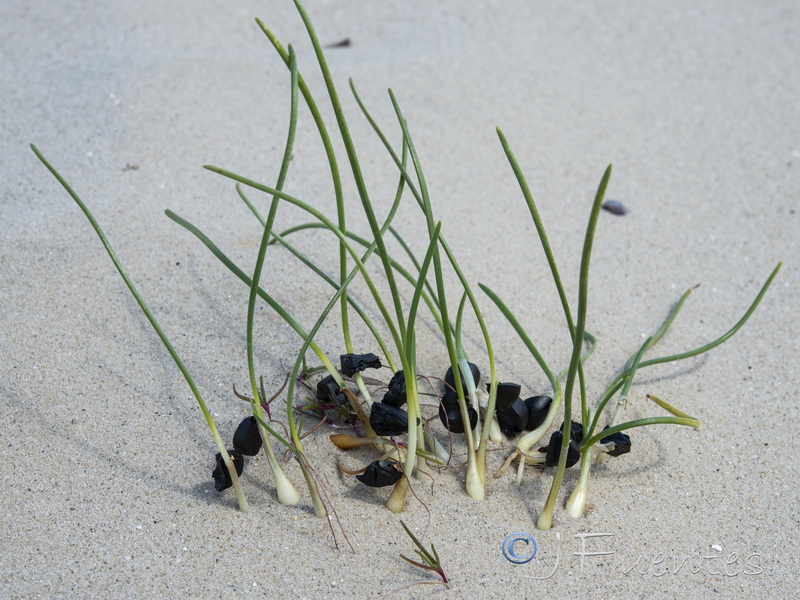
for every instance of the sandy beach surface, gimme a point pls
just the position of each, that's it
(106, 458)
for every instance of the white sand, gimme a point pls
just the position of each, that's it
(106, 458)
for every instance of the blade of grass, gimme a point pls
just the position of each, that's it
(410, 253)
(576, 503)
(415, 434)
(353, 304)
(279, 238)
(686, 421)
(665, 326)
(402, 271)
(320, 320)
(431, 559)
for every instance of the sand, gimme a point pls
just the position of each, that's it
(106, 459)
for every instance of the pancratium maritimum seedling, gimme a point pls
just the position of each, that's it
(462, 410)
(588, 443)
(229, 471)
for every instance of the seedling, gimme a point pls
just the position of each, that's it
(570, 443)
(430, 560)
(231, 472)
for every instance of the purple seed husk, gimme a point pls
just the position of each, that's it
(615, 207)
(514, 419)
(621, 441)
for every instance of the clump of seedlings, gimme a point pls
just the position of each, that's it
(399, 411)
(580, 440)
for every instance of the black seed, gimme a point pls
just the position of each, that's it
(576, 431)
(514, 419)
(355, 363)
(450, 399)
(380, 474)
(451, 381)
(615, 207)
(621, 441)
(396, 394)
(538, 407)
(506, 394)
(450, 415)
(509, 432)
(247, 438)
(387, 419)
(554, 449)
(329, 392)
(222, 479)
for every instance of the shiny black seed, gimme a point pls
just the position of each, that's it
(554, 449)
(621, 441)
(380, 474)
(450, 415)
(396, 394)
(355, 363)
(222, 479)
(506, 394)
(450, 399)
(514, 419)
(247, 439)
(451, 381)
(329, 392)
(387, 419)
(538, 407)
